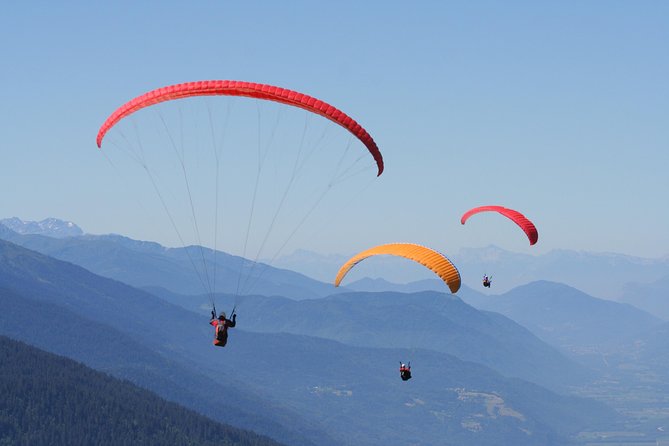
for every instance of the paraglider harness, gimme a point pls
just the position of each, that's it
(221, 332)
(405, 371)
(486, 281)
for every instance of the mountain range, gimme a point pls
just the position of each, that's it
(186, 270)
(314, 364)
(566, 317)
(51, 227)
(603, 275)
(652, 297)
(294, 388)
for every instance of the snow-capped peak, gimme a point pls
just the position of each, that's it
(50, 227)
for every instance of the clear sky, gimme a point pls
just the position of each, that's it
(557, 109)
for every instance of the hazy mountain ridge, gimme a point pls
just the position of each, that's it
(356, 389)
(569, 319)
(651, 297)
(145, 264)
(304, 274)
(598, 274)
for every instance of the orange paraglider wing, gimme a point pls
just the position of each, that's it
(427, 257)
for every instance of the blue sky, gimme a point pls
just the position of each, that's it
(557, 109)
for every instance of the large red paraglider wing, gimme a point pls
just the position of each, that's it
(248, 89)
(526, 225)
(427, 257)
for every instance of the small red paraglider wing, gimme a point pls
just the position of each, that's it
(526, 225)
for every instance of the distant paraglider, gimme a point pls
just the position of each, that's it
(487, 281)
(526, 225)
(405, 371)
(427, 257)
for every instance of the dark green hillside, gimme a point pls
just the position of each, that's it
(104, 348)
(48, 399)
